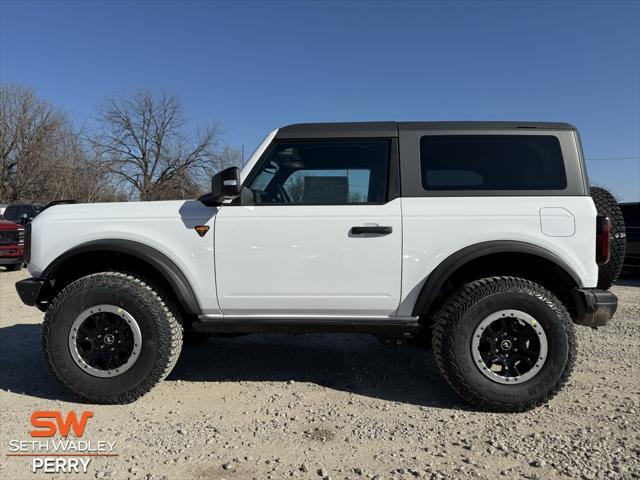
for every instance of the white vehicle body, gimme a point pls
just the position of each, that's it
(319, 270)
(299, 261)
(479, 238)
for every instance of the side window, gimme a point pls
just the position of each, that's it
(328, 186)
(492, 162)
(326, 172)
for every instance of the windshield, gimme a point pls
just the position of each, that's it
(256, 155)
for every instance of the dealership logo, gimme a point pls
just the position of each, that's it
(57, 445)
(48, 423)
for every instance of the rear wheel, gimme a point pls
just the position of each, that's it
(504, 343)
(607, 206)
(110, 337)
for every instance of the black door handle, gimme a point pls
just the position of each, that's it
(377, 230)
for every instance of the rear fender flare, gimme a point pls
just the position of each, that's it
(459, 259)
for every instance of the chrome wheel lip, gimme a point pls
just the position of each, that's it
(131, 322)
(527, 319)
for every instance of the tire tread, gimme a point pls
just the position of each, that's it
(448, 318)
(169, 328)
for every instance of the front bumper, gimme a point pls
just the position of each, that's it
(11, 260)
(29, 290)
(594, 307)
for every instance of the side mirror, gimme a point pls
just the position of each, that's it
(224, 185)
(24, 219)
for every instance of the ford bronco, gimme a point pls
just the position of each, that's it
(481, 238)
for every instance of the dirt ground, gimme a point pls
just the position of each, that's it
(333, 406)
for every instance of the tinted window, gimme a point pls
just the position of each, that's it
(25, 210)
(11, 213)
(330, 172)
(492, 162)
(15, 212)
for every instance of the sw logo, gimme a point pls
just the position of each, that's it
(60, 455)
(47, 423)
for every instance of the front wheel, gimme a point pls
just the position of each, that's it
(110, 337)
(504, 343)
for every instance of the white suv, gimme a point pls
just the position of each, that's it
(479, 237)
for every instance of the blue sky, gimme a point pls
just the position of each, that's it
(257, 66)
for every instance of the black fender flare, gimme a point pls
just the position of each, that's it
(457, 260)
(156, 259)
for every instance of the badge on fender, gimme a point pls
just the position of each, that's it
(201, 229)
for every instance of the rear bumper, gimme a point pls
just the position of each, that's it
(29, 290)
(594, 307)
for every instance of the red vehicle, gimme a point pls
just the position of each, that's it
(11, 245)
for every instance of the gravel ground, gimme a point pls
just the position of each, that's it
(334, 406)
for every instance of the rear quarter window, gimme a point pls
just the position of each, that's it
(492, 162)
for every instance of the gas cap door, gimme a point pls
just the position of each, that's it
(557, 222)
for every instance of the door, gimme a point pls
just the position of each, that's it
(314, 233)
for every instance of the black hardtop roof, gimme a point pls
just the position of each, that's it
(390, 129)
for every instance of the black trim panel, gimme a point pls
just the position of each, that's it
(451, 264)
(11, 260)
(169, 270)
(594, 307)
(292, 325)
(29, 290)
(393, 190)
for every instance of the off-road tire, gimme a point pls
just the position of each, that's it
(464, 310)
(607, 206)
(157, 319)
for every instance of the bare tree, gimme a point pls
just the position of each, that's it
(76, 174)
(144, 150)
(42, 156)
(229, 157)
(145, 142)
(30, 131)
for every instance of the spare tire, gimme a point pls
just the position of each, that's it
(607, 206)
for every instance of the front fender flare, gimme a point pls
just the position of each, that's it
(156, 259)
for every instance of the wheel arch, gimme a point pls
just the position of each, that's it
(97, 255)
(502, 257)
